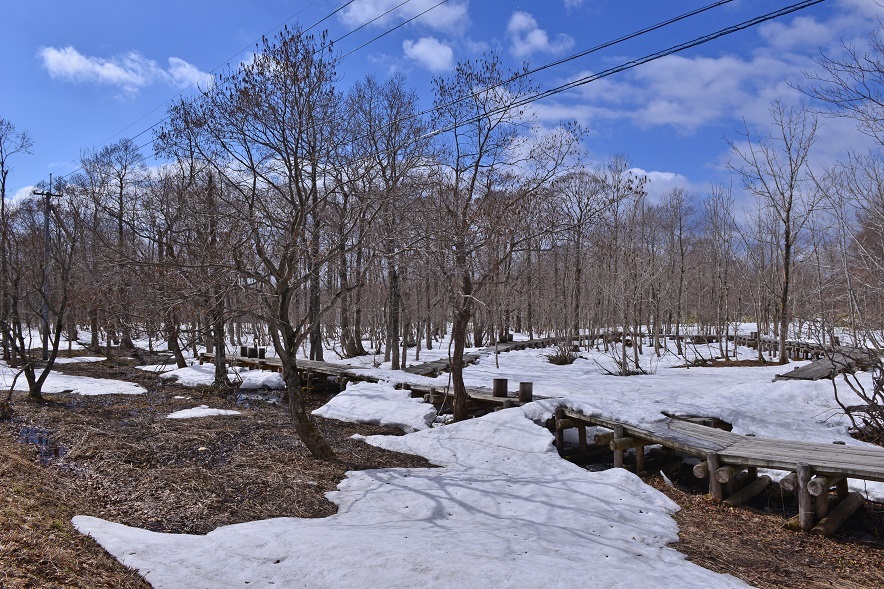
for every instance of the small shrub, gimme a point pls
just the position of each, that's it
(562, 356)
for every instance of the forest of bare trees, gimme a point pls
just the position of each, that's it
(292, 213)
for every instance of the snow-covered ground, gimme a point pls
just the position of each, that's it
(503, 509)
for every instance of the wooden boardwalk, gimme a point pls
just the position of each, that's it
(828, 367)
(731, 461)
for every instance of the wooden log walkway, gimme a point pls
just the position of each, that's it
(817, 467)
(830, 366)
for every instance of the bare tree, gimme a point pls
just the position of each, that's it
(12, 143)
(489, 176)
(774, 168)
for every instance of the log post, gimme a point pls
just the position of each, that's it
(748, 492)
(841, 489)
(560, 432)
(821, 506)
(639, 458)
(713, 464)
(820, 485)
(701, 470)
(830, 524)
(581, 437)
(806, 510)
(499, 387)
(618, 454)
(526, 392)
(789, 483)
(603, 438)
(727, 474)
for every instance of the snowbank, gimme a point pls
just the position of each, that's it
(79, 385)
(379, 404)
(204, 375)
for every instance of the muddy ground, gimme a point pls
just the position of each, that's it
(119, 458)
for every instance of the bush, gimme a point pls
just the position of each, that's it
(562, 356)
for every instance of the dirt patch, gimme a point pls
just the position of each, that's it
(751, 543)
(38, 545)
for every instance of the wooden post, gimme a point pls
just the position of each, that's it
(806, 510)
(713, 464)
(639, 458)
(499, 387)
(560, 433)
(820, 485)
(603, 439)
(821, 505)
(830, 524)
(789, 483)
(526, 392)
(841, 489)
(618, 454)
(748, 492)
(701, 470)
(581, 437)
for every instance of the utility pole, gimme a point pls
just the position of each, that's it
(47, 194)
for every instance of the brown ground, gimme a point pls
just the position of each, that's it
(751, 542)
(118, 458)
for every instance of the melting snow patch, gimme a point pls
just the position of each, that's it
(204, 375)
(79, 385)
(201, 411)
(379, 404)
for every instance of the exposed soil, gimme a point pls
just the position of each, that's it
(751, 542)
(119, 458)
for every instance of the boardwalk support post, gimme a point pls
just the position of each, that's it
(499, 387)
(560, 432)
(806, 511)
(748, 492)
(830, 524)
(618, 453)
(713, 463)
(526, 392)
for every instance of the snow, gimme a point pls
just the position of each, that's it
(77, 359)
(502, 509)
(201, 411)
(379, 404)
(57, 382)
(204, 375)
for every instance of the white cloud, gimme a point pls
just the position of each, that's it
(450, 17)
(660, 183)
(20, 195)
(430, 53)
(571, 4)
(528, 38)
(129, 72)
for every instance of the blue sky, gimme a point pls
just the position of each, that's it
(76, 75)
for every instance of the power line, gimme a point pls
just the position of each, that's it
(640, 61)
